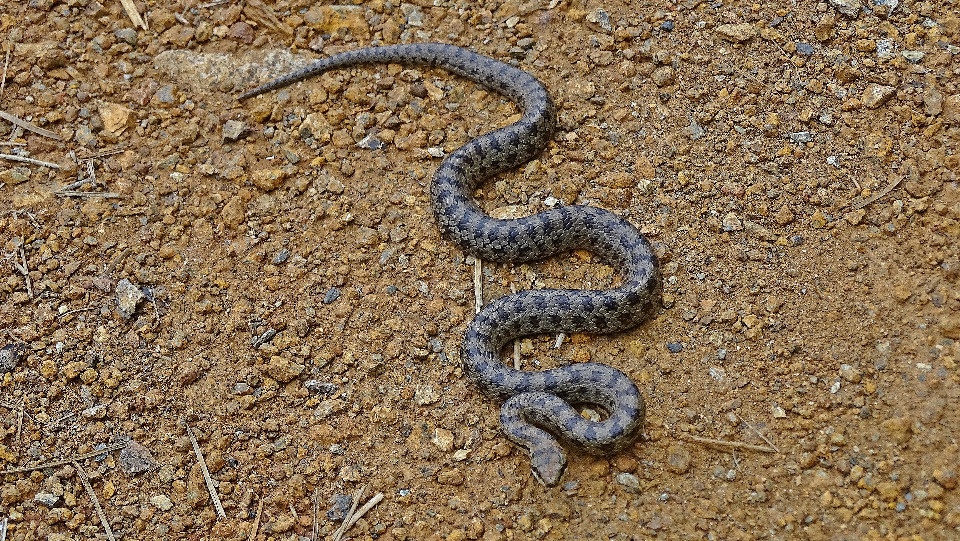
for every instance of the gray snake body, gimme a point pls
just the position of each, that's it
(537, 403)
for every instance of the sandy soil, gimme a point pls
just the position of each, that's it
(264, 273)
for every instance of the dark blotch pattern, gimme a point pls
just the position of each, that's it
(536, 403)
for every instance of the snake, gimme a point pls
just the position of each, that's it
(539, 409)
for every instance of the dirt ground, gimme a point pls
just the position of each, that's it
(270, 273)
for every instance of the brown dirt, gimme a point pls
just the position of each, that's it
(796, 169)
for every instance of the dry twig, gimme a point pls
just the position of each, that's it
(3, 82)
(363, 510)
(74, 311)
(103, 153)
(315, 532)
(358, 495)
(108, 449)
(3, 529)
(15, 158)
(858, 204)
(206, 474)
(256, 521)
(105, 195)
(134, 15)
(727, 444)
(758, 433)
(477, 284)
(29, 126)
(22, 268)
(96, 502)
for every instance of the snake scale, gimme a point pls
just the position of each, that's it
(537, 404)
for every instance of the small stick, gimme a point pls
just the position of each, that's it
(559, 342)
(96, 502)
(315, 532)
(517, 364)
(293, 512)
(3, 529)
(75, 185)
(256, 521)
(860, 203)
(74, 311)
(28, 126)
(24, 270)
(92, 172)
(477, 286)
(12, 144)
(20, 421)
(206, 474)
(15, 158)
(3, 84)
(105, 195)
(109, 448)
(757, 432)
(363, 510)
(346, 518)
(134, 15)
(727, 444)
(103, 153)
(214, 3)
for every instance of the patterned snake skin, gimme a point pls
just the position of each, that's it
(536, 402)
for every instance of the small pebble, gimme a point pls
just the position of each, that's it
(135, 458)
(10, 356)
(678, 459)
(126, 35)
(322, 388)
(914, 57)
(675, 347)
(233, 129)
(629, 481)
(850, 8)
(46, 498)
(805, 48)
(161, 502)
(332, 295)
(282, 256)
(341, 505)
(128, 297)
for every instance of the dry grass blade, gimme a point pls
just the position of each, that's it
(256, 522)
(108, 449)
(28, 126)
(95, 500)
(728, 444)
(3, 529)
(264, 14)
(15, 158)
(22, 267)
(206, 474)
(315, 533)
(338, 535)
(105, 195)
(3, 85)
(858, 204)
(363, 510)
(758, 433)
(12, 144)
(103, 153)
(477, 283)
(134, 15)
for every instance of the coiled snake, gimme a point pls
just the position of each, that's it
(537, 403)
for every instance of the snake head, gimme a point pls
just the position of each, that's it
(547, 466)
